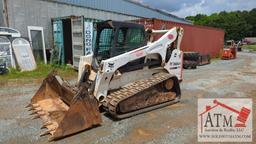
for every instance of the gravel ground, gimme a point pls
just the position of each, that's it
(172, 124)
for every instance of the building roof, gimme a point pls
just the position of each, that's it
(127, 7)
(162, 12)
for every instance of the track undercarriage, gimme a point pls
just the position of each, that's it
(142, 96)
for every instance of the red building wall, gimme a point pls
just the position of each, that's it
(202, 39)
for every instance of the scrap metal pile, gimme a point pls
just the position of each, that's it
(15, 52)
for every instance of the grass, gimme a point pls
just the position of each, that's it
(218, 57)
(41, 71)
(250, 47)
(215, 59)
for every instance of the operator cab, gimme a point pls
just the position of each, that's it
(230, 44)
(115, 38)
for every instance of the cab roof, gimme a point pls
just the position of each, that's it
(117, 24)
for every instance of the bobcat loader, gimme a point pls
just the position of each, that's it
(125, 75)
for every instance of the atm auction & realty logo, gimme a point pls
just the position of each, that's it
(225, 120)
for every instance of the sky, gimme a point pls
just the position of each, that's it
(183, 8)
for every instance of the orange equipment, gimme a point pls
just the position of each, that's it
(229, 52)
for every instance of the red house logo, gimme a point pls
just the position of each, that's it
(220, 119)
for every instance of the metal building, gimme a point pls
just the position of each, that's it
(33, 18)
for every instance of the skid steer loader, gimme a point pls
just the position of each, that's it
(127, 74)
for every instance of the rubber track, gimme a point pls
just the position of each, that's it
(111, 102)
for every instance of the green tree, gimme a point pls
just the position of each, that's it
(237, 24)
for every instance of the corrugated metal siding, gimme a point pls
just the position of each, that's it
(125, 7)
(23, 13)
(1, 14)
(205, 40)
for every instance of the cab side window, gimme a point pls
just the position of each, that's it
(128, 39)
